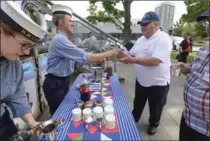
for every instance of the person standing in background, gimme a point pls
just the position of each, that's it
(186, 48)
(91, 43)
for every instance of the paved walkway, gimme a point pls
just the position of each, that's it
(169, 127)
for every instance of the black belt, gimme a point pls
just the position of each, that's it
(49, 75)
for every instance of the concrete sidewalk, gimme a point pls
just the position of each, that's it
(169, 126)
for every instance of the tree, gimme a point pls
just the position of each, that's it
(200, 30)
(194, 9)
(109, 13)
(189, 28)
(178, 27)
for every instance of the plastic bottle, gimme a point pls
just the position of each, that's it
(84, 89)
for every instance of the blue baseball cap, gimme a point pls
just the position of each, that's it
(149, 17)
(203, 16)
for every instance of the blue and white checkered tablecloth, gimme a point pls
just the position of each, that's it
(126, 123)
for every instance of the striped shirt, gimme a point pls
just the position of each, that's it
(196, 94)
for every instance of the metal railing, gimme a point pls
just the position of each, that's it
(90, 26)
(81, 29)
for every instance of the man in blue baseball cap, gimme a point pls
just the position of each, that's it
(195, 121)
(149, 18)
(151, 56)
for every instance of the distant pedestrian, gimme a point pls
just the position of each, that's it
(186, 48)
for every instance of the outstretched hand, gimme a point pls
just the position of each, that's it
(111, 52)
(125, 60)
(121, 54)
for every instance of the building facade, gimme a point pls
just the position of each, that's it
(166, 13)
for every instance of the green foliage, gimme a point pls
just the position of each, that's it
(190, 57)
(194, 9)
(182, 28)
(199, 44)
(178, 27)
(109, 13)
(200, 30)
(189, 28)
(43, 3)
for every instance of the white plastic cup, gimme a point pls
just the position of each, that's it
(87, 112)
(175, 70)
(110, 121)
(108, 102)
(108, 110)
(98, 112)
(77, 114)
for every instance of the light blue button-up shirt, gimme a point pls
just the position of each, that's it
(63, 54)
(13, 92)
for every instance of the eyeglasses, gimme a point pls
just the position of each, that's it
(25, 45)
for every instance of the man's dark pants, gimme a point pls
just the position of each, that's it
(55, 89)
(156, 95)
(188, 134)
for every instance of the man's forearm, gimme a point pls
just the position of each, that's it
(146, 61)
(185, 69)
(97, 57)
(29, 119)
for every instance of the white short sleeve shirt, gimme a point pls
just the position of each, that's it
(158, 46)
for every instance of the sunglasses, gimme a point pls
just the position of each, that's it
(144, 24)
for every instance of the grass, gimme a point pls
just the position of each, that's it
(190, 57)
(198, 44)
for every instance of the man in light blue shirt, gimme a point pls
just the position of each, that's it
(63, 54)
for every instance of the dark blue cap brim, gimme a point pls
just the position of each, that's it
(144, 21)
(203, 16)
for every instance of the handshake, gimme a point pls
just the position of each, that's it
(122, 55)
